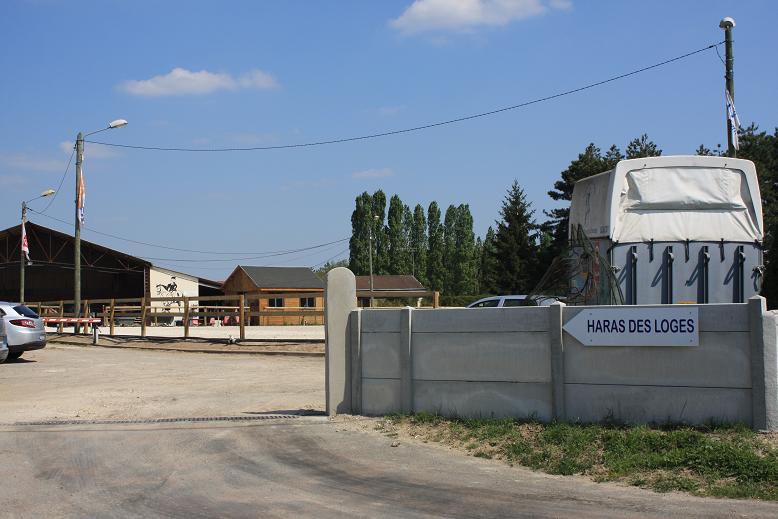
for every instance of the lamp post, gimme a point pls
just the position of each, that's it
(22, 259)
(370, 258)
(118, 123)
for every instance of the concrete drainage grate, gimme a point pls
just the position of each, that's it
(165, 420)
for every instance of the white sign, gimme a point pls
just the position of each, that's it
(636, 326)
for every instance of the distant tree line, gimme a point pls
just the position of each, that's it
(514, 253)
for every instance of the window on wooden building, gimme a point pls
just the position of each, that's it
(307, 302)
(275, 302)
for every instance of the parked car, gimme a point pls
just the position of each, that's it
(24, 329)
(507, 301)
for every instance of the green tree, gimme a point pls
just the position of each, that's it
(642, 147)
(449, 246)
(380, 247)
(418, 244)
(489, 272)
(462, 267)
(397, 245)
(360, 234)
(515, 243)
(436, 246)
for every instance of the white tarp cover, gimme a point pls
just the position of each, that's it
(671, 199)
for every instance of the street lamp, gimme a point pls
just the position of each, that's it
(118, 123)
(22, 259)
(370, 256)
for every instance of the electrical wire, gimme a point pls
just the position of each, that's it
(425, 126)
(322, 263)
(255, 255)
(59, 187)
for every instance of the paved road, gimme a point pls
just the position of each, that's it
(307, 467)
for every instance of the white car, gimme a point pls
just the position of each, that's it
(23, 329)
(508, 301)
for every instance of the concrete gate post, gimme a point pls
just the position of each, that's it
(764, 365)
(555, 333)
(340, 297)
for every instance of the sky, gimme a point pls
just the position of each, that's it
(197, 74)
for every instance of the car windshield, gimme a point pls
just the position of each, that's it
(486, 304)
(26, 312)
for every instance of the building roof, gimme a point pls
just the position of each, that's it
(282, 277)
(385, 283)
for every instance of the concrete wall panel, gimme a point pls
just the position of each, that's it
(469, 320)
(657, 404)
(375, 321)
(380, 355)
(723, 359)
(380, 396)
(483, 399)
(499, 356)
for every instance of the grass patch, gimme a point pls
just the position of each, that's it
(719, 460)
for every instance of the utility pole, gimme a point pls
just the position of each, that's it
(22, 259)
(727, 24)
(77, 234)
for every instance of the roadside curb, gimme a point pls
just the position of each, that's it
(189, 350)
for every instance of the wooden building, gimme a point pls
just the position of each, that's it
(293, 288)
(386, 285)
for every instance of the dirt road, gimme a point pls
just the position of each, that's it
(71, 382)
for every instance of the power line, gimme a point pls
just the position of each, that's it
(59, 187)
(263, 256)
(425, 126)
(256, 255)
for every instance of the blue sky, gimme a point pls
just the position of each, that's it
(242, 74)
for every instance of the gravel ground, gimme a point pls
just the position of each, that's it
(221, 332)
(73, 382)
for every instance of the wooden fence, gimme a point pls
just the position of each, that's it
(190, 310)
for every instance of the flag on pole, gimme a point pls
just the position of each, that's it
(25, 244)
(81, 197)
(734, 120)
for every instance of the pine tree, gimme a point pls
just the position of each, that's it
(642, 147)
(435, 250)
(419, 244)
(515, 244)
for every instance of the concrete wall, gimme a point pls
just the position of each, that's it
(518, 362)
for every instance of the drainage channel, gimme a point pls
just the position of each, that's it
(163, 420)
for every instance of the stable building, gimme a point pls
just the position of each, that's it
(389, 286)
(293, 290)
(105, 272)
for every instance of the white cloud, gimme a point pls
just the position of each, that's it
(181, 81)
(373, 173)
(30, 162)
(466, 15)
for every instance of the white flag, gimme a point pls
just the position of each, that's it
(25, 244)
(734, 120)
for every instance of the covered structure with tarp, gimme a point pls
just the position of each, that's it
(675, 229)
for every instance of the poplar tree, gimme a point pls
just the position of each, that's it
(435, 250)
(449, 244)
(397, 246)
(360, 233)
(489, 271)
(418, 244)
(380, 246)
